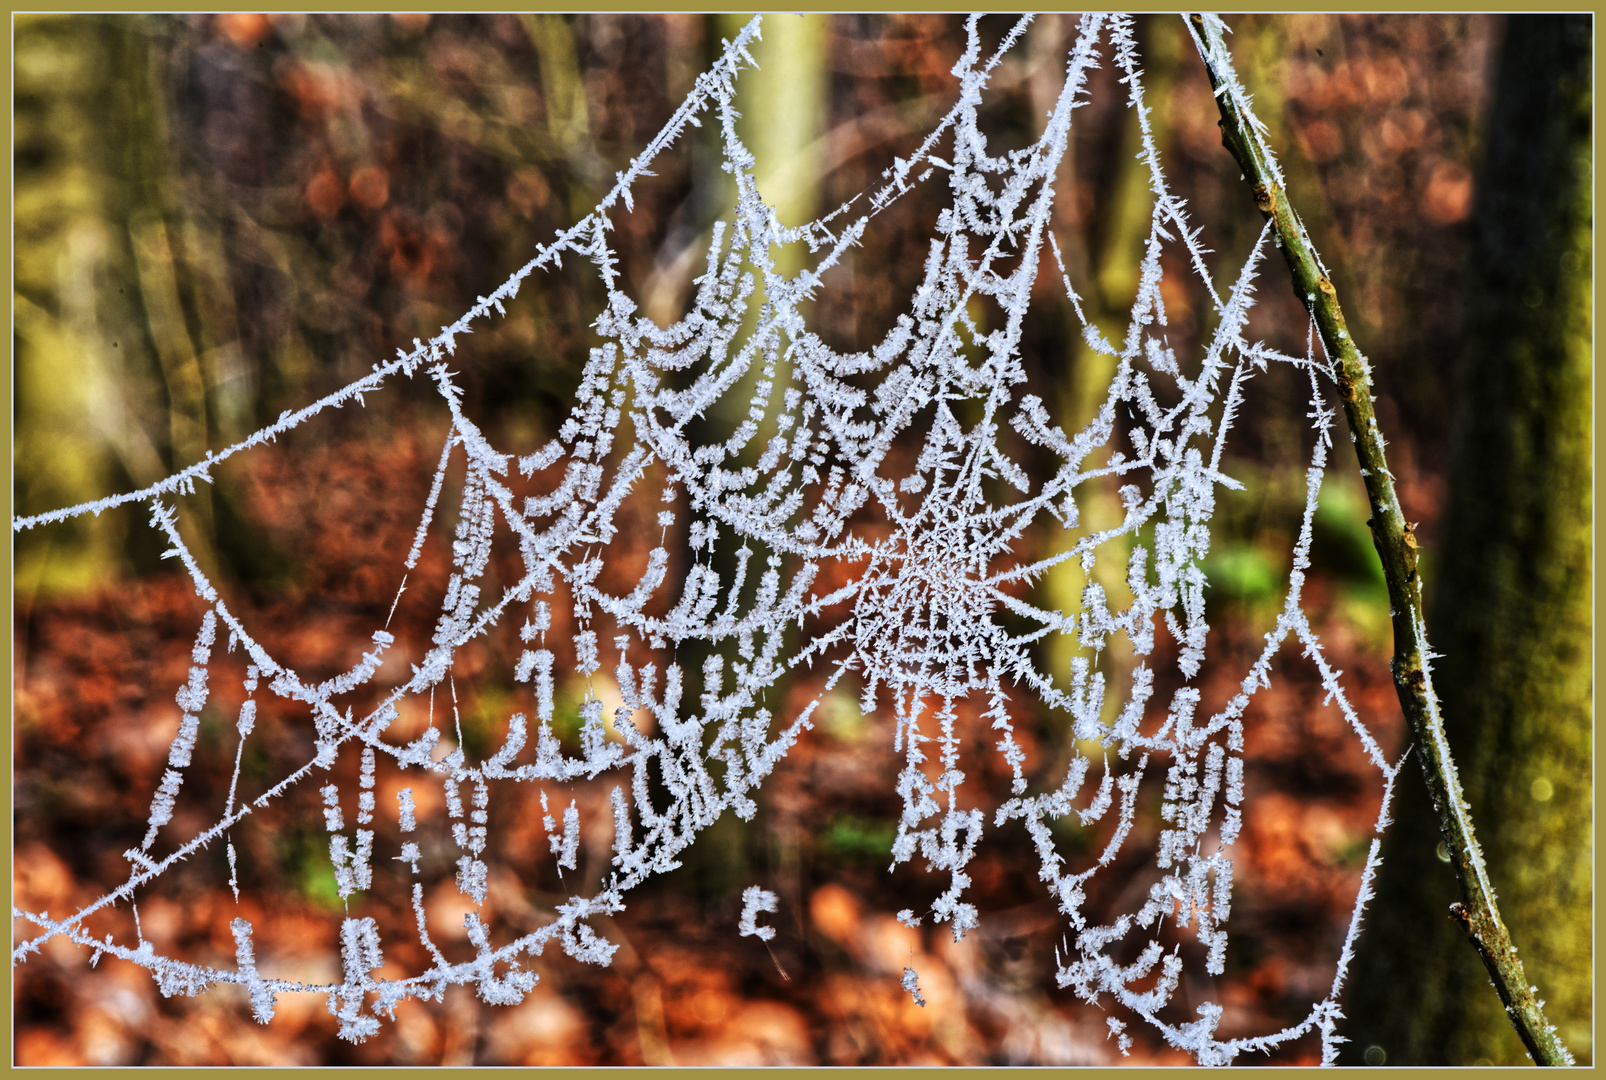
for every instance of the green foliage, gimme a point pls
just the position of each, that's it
(855, 838)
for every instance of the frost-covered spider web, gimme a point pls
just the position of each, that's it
(868, 521)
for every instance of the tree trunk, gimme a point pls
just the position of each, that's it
(1511, 611)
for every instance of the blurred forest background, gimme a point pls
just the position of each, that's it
(217, 218)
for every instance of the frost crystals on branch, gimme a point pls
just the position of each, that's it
(870, 511)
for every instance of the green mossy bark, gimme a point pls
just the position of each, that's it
(1512, 613)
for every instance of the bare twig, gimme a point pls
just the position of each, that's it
(1396, 545)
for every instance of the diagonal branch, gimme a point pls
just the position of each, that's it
(1396, 545)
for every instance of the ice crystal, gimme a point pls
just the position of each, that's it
(812, 541)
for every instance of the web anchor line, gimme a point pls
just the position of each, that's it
(878, 526)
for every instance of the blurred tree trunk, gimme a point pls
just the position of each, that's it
(1511, 614)
(784, 111)
(111, 389)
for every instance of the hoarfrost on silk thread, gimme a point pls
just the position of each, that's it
(810, 487)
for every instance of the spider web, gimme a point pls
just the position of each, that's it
(873, 512)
